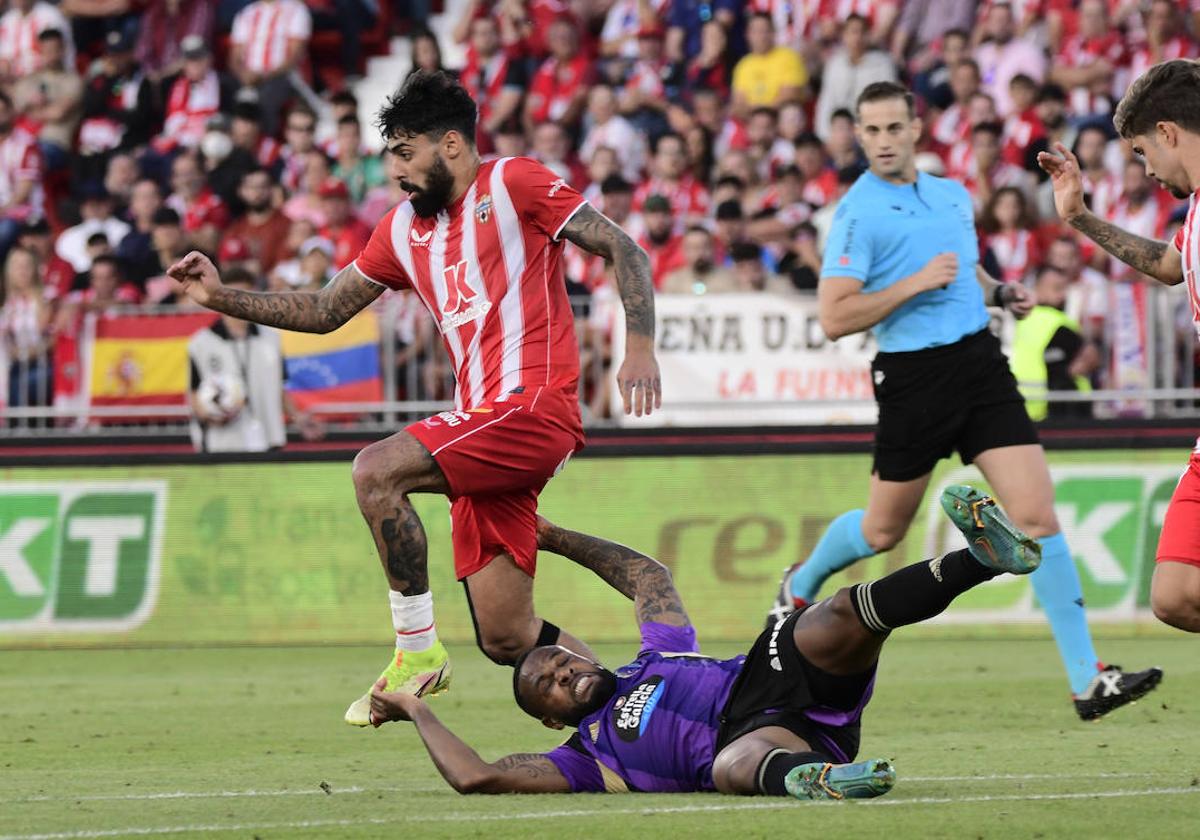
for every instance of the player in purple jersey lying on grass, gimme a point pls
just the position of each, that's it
(781, 720)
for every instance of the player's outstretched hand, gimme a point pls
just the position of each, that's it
(640, 382)
(1017, 299)
(1063, 169)
(390, 705)
(198, 276)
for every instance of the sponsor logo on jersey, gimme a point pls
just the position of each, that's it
(483, 209)
(773, 646)
(555, 187)
(419, 240)
(632, 711)
(460, 306)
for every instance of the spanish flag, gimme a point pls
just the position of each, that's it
(338, 367)
(143, 360)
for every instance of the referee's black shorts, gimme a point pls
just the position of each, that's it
(959, 396)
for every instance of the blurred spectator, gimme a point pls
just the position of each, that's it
(767, 151)
(118, 110)
(989, 172)
(820, 179)
(224, 162)
(193, 96)
(644, 95)
(120, 175)
(922, 22)
(1007, 225)
(316, 264)
(96, 211)
(822, 219)
(1088, 62)
(730, 223)
(840, 142)
(751, 275)
(669, 178)
(493, 78)
(136, 248)
(660, 242)
(699, 274)
(300, 138)
(710, 68)
(106, 289)
(1143, 209)
(1022, 127)
(245, 129)
(350, 18)
(169, 245)
(769, 75)
(1050, 352)
(236, 388)
(56, 274)
(801, 263)
(623, 24)
(1101, 186)
(1166, 37)
(608, 128)
(852, 67)
(689, 19)
(25, 331)
(165, 26)
(1087, 298)
(1003, 55)
(287, 274)
(51, 99)
(552, 147)
(602, 164)
(426, 52)
(20, 45)
(931, 80)
(360, 170)
(348, 235)
(201, 210)
(270, 38)
(952, 126)
(559, 88)
(21, 195)
(698, 146)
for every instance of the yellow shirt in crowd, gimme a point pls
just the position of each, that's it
(759, 78)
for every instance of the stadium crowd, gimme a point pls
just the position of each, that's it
(718, 132)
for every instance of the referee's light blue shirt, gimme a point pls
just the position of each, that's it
(883, 232)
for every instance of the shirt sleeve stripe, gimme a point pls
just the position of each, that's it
(570, 216)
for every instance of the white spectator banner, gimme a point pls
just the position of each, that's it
(752, 359)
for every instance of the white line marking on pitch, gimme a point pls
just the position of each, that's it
(239, 794)
(595, 812)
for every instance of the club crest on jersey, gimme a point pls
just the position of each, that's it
(419, 240)
(460, 306)
(483, 209)
(631, 712)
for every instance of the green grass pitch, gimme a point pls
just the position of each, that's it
(249, 743)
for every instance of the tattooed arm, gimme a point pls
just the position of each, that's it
(638, 378)
(1160, 260)
(647, 582)
(460, 765)
(316, 312)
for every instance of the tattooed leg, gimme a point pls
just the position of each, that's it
(384, 474)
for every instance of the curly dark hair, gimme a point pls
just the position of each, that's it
(430, 104)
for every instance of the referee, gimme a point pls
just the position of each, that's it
(902, 259)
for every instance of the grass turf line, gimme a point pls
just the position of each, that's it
(982, 729)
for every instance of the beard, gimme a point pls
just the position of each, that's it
(434, 197)
(1177, 192)
(599, 695)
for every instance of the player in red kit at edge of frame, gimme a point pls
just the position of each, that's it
(481, 246)
(1160, 117)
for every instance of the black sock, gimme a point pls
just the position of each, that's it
(917, 592)
(777, 764)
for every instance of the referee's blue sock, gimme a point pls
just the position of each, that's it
(841, 544)
(1056, 585)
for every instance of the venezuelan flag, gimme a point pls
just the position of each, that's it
(141, 359)
(338, 367)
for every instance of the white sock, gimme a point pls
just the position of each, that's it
(412, 616)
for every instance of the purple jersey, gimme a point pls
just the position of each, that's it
(658, 733)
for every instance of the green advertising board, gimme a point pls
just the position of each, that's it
(278, 553)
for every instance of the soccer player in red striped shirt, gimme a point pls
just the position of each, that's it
(481, 244)
(1160, 118)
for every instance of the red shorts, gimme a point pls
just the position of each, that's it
(1180, 537)
(496, 459)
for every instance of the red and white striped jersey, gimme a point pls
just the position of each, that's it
(1187, 242)
(264, 29)
(1148, 220)
(1082, 52)
(19, 37)
(189, 106)
(1104, 190)
(21, 160)
(1017, 252)
(1141, 60)
(688, 197)
(490, 269)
